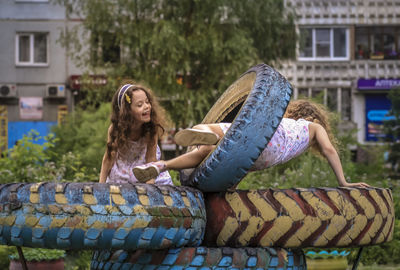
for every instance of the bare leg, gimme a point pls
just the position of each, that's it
(202, 134)
(210, 127)
(190, 159)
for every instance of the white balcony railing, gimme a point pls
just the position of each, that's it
(338, 73)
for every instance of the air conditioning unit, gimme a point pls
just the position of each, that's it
(55, 90)
(8, 90)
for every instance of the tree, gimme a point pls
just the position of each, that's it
(187, 51)
(392, 127)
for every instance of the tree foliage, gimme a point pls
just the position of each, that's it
(393, 125)
(392, 128)
(187, 51)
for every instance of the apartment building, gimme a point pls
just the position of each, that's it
(34, 68)
(349, 55)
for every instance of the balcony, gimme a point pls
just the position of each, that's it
(341, 74)
(333, 12)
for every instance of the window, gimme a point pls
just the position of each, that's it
(377, 43)
(31, 49)
(324, 44)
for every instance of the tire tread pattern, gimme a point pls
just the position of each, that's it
(100, 216)
(201, 258)
(262, 111)
(299, 218)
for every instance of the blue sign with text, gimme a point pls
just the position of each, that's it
(377, 108)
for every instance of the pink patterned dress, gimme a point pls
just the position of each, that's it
(121, 171)
(290, 139)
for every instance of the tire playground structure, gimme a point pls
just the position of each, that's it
(142, 226)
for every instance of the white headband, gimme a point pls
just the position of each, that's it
(121, 93)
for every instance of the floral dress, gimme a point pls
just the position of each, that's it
(290, 139)
(121, 171)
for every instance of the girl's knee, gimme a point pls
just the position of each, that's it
(206, 149)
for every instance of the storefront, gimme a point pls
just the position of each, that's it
(377, 105)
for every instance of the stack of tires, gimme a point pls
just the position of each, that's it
(203, 224)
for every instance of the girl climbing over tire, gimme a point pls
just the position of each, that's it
(136, 125)
(304, 125)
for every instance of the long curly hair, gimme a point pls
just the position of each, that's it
(122, 119)
(313, 112)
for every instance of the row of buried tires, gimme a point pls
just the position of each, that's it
(132, 225)
(165, 227)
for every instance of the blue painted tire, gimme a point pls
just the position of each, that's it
(265, 95)
(100, 216)
(201, 258)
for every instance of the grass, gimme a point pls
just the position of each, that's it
(377, 267)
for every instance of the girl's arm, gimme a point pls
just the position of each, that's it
(151, 154)
(332, 156)
(151, 149)
(107, 163)
(106, 166)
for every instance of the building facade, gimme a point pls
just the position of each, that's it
(34, 68)
(348, 55)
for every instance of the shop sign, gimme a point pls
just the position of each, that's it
(377, 84)
(77, 80)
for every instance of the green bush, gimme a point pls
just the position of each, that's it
(5, 252)
(28, 161)
(39, 254)
(85, 135)
(74, 260)
(78, 259)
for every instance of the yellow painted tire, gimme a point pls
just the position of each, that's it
(293, 218)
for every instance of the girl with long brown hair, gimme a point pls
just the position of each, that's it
(305, 124)
(136, 125)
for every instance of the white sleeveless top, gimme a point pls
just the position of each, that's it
(121, 171)
(290, 139)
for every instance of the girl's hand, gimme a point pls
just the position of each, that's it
(151, 181)
(360, 184)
